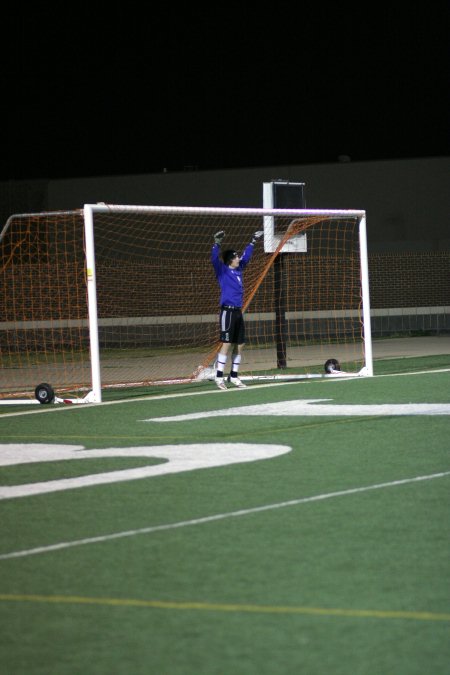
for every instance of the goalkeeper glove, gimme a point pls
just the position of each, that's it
(218, 237)
(257, 236)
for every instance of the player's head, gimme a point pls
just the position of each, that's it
(229, 255)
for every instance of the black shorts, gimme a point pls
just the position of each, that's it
(232, 327)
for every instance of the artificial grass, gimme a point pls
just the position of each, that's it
(308, 587)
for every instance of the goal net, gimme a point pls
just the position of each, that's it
(113, 297)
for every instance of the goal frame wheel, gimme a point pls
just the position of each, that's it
(44, 393)
(332, 366)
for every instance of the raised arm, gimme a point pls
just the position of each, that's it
(215, 251)
(248, 252)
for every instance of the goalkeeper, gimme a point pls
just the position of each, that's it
(229, 274)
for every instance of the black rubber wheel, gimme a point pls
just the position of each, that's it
(44, 393)
(332, 365)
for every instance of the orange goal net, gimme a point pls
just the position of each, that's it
(113, 297)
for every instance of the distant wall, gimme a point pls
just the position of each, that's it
(407, 204)
(407, 201)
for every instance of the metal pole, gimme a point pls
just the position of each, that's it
(280, 311)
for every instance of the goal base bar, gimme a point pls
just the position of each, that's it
(304, 376)
(89, 398)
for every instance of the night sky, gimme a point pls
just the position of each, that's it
(129, 91)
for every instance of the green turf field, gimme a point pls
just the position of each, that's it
(257, 535)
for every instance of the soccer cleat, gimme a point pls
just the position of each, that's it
(220, 383)
(237, 382)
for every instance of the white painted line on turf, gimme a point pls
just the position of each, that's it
(213, 391)
(314, 408)
(219, 516)
(178, 458)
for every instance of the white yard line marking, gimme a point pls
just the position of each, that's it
(174, 459)
(219, 516)
(314, 408)
(213, 391)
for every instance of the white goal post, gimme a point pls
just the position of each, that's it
(111, 297)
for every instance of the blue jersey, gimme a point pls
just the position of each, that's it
(230, 280)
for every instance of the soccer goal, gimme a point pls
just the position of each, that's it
(113, 297)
